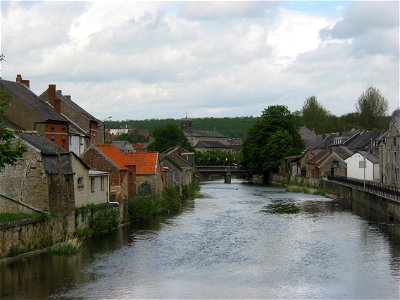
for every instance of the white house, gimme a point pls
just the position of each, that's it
(363, 165)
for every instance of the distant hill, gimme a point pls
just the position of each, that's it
(231, 127)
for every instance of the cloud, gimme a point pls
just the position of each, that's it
(212, 10)
(370, 27)
(136, 60)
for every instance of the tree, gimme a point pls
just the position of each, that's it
(10, 149)
(272, 137)
(314, 115)
(372, 108)
(168, 136)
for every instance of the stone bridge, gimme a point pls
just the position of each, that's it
(225, 171)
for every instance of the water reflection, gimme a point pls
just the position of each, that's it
(226, 246)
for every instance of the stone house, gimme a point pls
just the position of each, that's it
(48, 178)
(148, 172)
(325, 163)
(179, 172)
(27, 111)
(203, 140)
(83, 121)
(363, 165)
(389, 158)
(107, 158)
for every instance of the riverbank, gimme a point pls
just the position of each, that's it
(26, 237)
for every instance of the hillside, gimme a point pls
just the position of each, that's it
(232, 127)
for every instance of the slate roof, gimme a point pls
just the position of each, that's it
(210, 144)
(75, 106)
(363, 140)
(204, 133)
(176, 160)
(146, 162)
(310, 138)
(55, 159)
(370, 156)
(31, 100)
(124, 146)
(41, 143)
(327, 141)
(394, 127)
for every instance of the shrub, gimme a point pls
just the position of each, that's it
(142, 207)
(84, 232)
(103, 220)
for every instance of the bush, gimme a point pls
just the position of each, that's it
(142, 207)
(84, 232)
(103, 220)
(170, 201)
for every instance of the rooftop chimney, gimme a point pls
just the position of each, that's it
(53, 100)
(22, 81)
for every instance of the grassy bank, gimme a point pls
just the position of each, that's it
(169, 202)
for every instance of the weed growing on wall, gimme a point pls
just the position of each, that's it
(84, 232)
(69, 246)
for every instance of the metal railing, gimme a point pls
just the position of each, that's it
(376, 188)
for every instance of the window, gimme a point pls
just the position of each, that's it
(394, 142)
(80, 182)
(395, 157)
(92, 185)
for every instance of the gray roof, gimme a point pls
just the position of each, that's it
(176, 160)
(31, 100)
(309, 136)
(363, 140)
(55, 159)
(370, 156)
(394, 127)
(204, 133)
(210, 144)
(45, 146)
(124, 146)
(327, 141)
(75, 106)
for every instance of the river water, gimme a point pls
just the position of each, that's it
(240, 241)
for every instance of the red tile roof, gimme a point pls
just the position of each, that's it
(114, 154)
(146, 162)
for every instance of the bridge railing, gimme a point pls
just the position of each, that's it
(370, 186)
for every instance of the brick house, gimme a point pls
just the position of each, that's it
(108, 158)
(27, 111)
(88, 124)
(389, 158)
(148, 172)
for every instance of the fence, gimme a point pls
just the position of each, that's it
(377, 188)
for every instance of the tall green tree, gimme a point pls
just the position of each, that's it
(168, 136)
(272, 137)
(372, 108)
(314, 115)
(11, 150)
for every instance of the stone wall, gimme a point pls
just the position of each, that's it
(20, 180)
(379, 204)
(23, 236)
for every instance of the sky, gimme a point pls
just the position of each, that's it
(157, 60)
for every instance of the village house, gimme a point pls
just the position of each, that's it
(124, 146)
(122, 171)
(48, 178)
(389, 151)
(363, 165)
(179, 171)
(325, 163)
(148, 172)
(27, 111)
(91, 127)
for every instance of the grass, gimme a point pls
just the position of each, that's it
(281, 207)
(8, 217)
(68, 247)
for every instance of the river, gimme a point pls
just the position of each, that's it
(239, 241)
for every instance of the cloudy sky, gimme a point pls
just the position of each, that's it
(141, 60)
